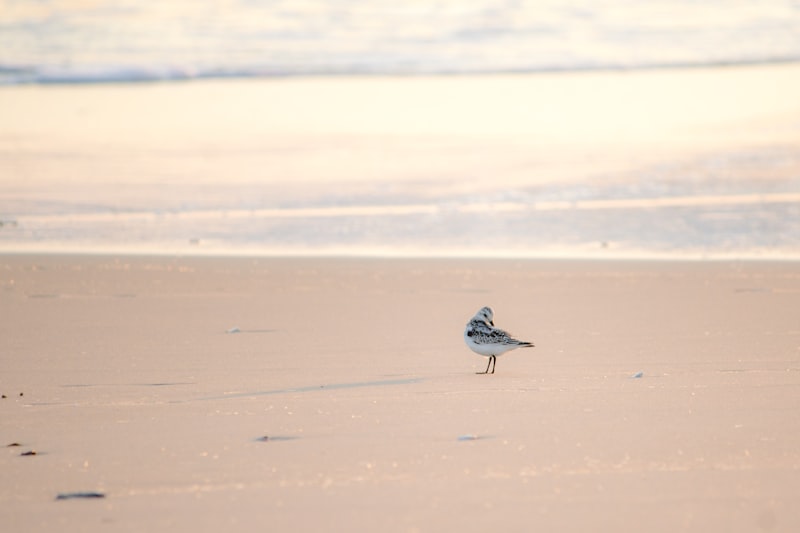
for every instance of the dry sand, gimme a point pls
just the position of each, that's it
(356, 372)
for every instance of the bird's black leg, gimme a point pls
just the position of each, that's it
(494, 363)
(487, 366)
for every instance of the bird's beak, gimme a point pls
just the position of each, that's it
(491, 323)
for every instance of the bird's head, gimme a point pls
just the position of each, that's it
(486, 315)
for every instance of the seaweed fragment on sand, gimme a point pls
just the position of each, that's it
(80, 495)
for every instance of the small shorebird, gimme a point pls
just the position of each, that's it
(483, 338)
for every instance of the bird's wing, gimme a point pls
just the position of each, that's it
(484, 334)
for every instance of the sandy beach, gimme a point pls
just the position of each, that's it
(337, 394)
(240, 242)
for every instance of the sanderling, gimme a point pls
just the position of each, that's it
(483, 338)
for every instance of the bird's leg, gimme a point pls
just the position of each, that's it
(487, 366)
(494, 363)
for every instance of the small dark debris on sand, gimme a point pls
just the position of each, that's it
(267, 438)
(28, 453)
(79, 495)
(13, 444)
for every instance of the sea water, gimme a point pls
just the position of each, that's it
(716, 205)
(121, 40)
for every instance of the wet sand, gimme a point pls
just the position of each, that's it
(337, 394)
(400, 165)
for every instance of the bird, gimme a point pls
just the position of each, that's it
(484, 339)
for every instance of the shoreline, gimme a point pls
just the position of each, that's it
(704, 160)
(192, 252)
